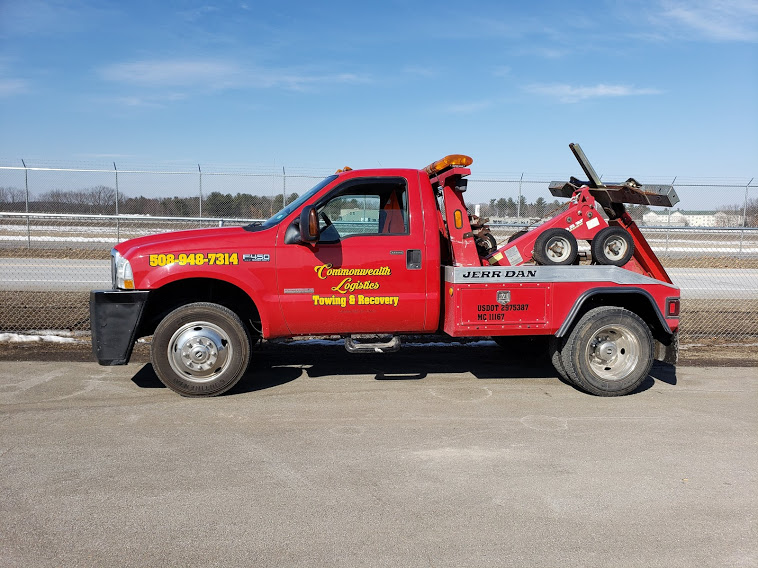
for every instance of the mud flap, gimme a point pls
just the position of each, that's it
(668, 353)
(114, 319)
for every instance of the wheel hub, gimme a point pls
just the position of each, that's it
(557, 249)
(199, 351)
(615, 248)
(613, 353)
(606, 351)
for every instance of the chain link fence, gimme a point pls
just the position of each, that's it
(57, 226)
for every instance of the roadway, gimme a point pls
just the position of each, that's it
(38, 274)
(417, 458)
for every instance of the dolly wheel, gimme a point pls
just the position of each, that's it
(612, 246)
(555, 246)
(516, 235)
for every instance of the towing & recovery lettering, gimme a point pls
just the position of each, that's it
(340, 301)
(378, 300)
(352, 300)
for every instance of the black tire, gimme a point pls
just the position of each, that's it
(554, 349)
(516, 235)
(486, 244)
(609, 352)
(200, 349)
(555, 247)
(612, 246)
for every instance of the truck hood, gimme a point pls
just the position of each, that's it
(194, 240)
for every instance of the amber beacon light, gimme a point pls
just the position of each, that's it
(448, 161)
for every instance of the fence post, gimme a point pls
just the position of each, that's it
(118, 225)
(668, 221)
(200, 208)
(518, 203)
(26, 185)
(744, 215)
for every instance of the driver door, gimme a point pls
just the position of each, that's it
(365, 273)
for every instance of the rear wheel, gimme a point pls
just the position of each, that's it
(555, 349)
(200, 349)
(609, 352)
(555, 246)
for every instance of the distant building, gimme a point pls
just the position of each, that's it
(358, 215)
(515, 220)
(681, 218)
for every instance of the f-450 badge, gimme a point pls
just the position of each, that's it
(256, 257)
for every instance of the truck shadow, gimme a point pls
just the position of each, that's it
(276, 364)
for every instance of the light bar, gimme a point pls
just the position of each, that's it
(447, 162)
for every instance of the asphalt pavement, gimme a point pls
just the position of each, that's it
(446, 456)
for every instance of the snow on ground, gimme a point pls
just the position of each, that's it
(50, 338)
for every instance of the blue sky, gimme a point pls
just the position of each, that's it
(656, 88)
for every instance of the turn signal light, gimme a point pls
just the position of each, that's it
(448, 161)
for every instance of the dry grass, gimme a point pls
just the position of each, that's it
(60, 253)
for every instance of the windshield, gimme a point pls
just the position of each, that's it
(297, 203)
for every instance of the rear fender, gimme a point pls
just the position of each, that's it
(636, 300)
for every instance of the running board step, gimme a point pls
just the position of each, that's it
(353, 346)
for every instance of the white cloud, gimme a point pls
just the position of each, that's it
(570, 94)
(150, 100)
(12, 87)
(718, 20)
(174, 73)
(208, 75)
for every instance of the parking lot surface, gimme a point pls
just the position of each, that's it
(434, 456)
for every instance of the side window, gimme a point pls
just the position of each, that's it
(365, 208)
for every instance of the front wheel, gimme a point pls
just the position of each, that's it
(609, 352)
(200, 349)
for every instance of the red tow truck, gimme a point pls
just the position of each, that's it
(391, 252)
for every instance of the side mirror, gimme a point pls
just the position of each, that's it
(309, 231)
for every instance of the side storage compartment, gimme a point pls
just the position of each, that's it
(495, 302)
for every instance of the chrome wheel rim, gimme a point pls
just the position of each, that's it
(613, 352)
(199, 351)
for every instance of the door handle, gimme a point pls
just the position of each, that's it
(413, 259)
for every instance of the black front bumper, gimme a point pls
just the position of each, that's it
(114, 319)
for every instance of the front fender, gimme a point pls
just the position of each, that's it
(254, 286)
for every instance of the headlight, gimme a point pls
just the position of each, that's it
(121, 272)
